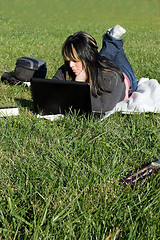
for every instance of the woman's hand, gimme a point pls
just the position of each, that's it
(81, 77)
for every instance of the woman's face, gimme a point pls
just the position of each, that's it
(76, 67)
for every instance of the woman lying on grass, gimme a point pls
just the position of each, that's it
(109, 73)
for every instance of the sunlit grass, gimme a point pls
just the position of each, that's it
(59, 180)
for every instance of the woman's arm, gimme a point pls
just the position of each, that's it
(60, 74)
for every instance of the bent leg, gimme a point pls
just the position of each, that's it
(112, 49)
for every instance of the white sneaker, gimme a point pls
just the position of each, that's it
(117, 31)
(109, 29)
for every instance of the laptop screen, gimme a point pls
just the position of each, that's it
(52, 96)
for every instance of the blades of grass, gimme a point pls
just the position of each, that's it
(62, 213)
(23, 220)
(45, 212)
(15, 236)
(10, 204)
(6, 233)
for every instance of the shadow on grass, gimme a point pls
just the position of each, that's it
(25, 103)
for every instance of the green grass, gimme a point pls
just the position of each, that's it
(59, 180)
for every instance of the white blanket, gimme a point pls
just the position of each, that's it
(145, 99)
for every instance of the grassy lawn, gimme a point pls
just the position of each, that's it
(60, 180)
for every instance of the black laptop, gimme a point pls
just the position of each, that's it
(52, 96)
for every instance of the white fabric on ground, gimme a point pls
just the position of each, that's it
(145, 99)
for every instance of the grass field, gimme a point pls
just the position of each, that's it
(59, 180)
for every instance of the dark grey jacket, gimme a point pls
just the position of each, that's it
(108, 100)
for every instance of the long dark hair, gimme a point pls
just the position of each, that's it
(81, 46)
